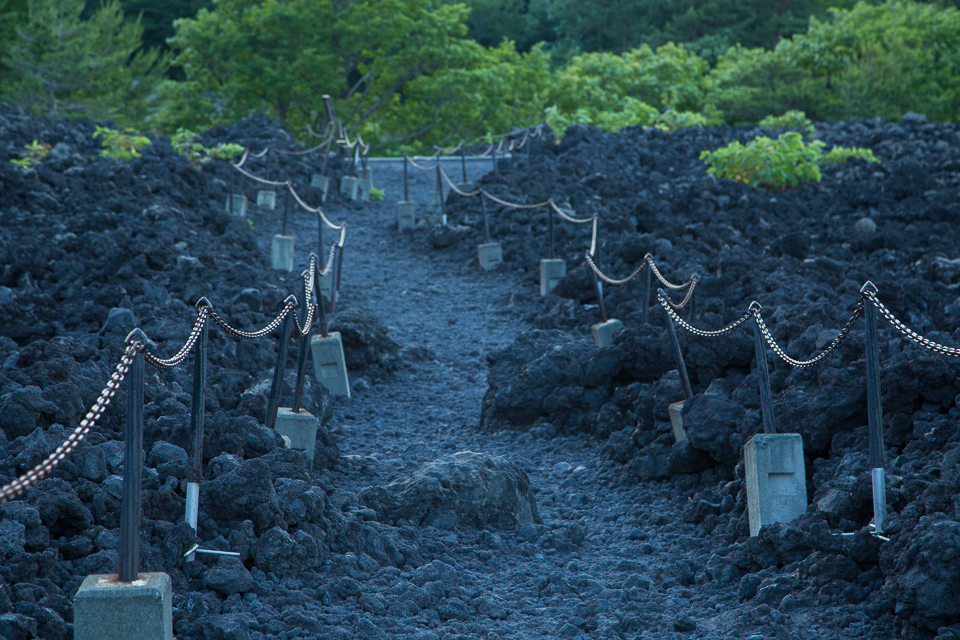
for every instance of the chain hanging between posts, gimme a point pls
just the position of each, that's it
(909, 333)
(202, 314)
(830, 348)
(42, 470)
(250, 335)
(665, 303)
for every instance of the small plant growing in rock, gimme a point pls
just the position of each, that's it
(32, 155)
(185, 143)
(793, 119)
(122, 145)
(377, 194)
(777, 164)
(671, 120)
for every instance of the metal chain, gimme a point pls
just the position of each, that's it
(608, 279)
(514, 205)
(456, 189)
(665, 303)
(566, 214)
(659, 276)
(830, 348)
(690, 289)
(42, 470)
(187, 346)
(250, 335)
(908, 332)
(417, 166)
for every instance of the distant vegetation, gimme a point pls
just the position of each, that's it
(407, 74)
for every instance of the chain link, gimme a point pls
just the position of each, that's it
(250, 335)
(422, 168)
(187, 346)
(665, 303)
(608, 279)
(908, 332)
(830, 348)
(456, 189)
(42, 470)
(567, 216)
(514, 205)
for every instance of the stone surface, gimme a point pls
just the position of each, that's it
(239, 205)
(107, 609)
(300, 428)
(406, 215)
(676, 421)
(489, 255)
(552, 271)
(267, 198)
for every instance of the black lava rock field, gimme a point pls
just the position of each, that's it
(495, 474)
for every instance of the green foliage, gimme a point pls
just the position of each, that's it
(32, 155)
(62, 65)
(123, 145)
(186, 144)
(793, 119)
(671, 120)
(377, 194)
(776, 164)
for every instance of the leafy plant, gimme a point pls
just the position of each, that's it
(123, 145)
(777, 164)
(377, 194)
(32, 155)
(793, 119)
(185, 143)
(671, 120)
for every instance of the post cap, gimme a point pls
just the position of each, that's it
(868, 287)
(203, 302)
(755, 307)
(137, 335)
(291, 300)
(695, 277)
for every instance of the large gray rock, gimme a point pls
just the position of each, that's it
(711, 425)
(472, 489)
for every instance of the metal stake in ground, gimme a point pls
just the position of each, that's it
(321, 314)
(598, 289)
(335, 285)
(483, 212)
(493, 153)
(645, 304)
(463, 160)
(302, 363)
(443, 205)
(766, 395)
(406, 187)
(132, 467)
(874, 411)
(286, 194)
(678, 356)
(273, 402)
(195, 462)
(550, 214)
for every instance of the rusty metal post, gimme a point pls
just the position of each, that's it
(678, 355)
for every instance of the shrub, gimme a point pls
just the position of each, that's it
(124, 145)
(777, 164)
(377, 194)
(793, 119)
(32, 155)
(671, 120)
(185, 143)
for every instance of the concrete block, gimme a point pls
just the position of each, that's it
(466, 187)
(776, 483)
(281, 253)
(267, 199)
(603, 332)
(406, 215)
(350, 187)
(676, 421)
(490, 255)
(365, 184)
(299, 429)
(434, 200)
(239, 205)
(551, 272)
(329, 364)
(322, 183)
(107, 609)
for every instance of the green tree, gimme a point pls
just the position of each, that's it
(62, 65)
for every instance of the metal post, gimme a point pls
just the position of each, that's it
(766, 395)
(645, 304)
(233, 187)
(321, 314)
(273, 401)
(406, 186)
(693, 297)
(483, 211)
(335, 285)
(598, 288)
(356, 156)
(195, 462)
(326, 155)
(463, 161)
(493, 152)
(286, 194)
(678, 356)
(301, 368)
(319, 235)
(550, 214)
(132, 468)
(443, 205)
(267, 174)
(874, 412)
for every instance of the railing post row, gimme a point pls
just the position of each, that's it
(550, 214)
(645, 305)
(132, 467)
(598, 289)
(483, 211)
(195, 462)
(406, 187)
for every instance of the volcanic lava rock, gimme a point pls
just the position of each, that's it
(367, 347)
(227, 577)
(711, 425)
(465, 489)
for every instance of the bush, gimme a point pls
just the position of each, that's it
(793, 119)
(777, 164)
(185, 143)
(122, 146)
(32, 155)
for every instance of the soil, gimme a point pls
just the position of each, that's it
(602, 528)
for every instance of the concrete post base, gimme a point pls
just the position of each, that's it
(365, 177)
(281, 253)
(329, 364)
(466, 187)
(776, 484)
(326, 285)
(107, 609)
(434, 200)
(322, 183)
(489, 255)
(406, 215)
(434, 217)
(551, 272)
(603, 332)
(350, 187)
(676, 421)
(267, 199)
(239, 205)
(300, 429)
